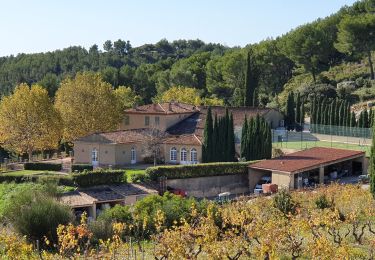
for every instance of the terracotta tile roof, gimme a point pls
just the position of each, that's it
(103, 194)
(187, 139)
(163, 108)
(133, 189)
(194, 124)
(118, 137)
(76, 199)
(116, 192)
(306, 159)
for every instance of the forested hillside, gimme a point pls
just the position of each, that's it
(330, 56)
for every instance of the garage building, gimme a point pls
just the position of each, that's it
(317, 165)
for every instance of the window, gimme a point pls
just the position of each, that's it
(173, 154)
(94, 155)
(147, 120)
(126, 120)
(133, 155)
(157, 120)
(193, 155)
(183, 155)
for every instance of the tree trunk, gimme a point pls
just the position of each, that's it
(313, 74)
(370, 64)
(30, 154)
(154, 158)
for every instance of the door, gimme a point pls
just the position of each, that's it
(133, 156)
(94, 158)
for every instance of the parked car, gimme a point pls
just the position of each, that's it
(264, 180)
(364, 178)
(179, 192)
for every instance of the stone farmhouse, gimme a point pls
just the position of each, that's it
(182, 125)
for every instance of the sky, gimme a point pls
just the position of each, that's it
(46, 25)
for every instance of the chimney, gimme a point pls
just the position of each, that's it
(170, 106)
(135, 105)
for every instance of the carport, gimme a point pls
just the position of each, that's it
(312, 166)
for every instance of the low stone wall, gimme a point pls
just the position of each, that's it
(204, 187)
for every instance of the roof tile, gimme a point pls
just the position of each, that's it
(305, 159)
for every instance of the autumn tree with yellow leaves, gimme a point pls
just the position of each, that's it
(28, 121)
(87, 105)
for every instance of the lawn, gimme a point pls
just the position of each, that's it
(27, 172)
(309, 144)
(128, 172)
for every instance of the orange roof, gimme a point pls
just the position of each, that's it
(163, 108)
(187, 139)
(306, 159)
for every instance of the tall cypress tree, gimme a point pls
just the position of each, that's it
(244, 139)
(250, 139)
(250, 81)
(207, 139)
(372, 164)
(298, 108)
(353, 121)
(302, 113)
(231, 139)
(365, 119)
(290, 112)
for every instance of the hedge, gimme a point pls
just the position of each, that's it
(139, 177)
(42, 166)
(60, 180)
(91, 178)
(197, 170)
(82, 167)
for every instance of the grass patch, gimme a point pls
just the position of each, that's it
(310, 144)
(27, 172)
(129, 172)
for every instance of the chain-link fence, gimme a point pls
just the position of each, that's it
(326, 136)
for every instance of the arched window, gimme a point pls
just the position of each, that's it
(193, 155)
(173, 154)
(133, 155)
(183, 155)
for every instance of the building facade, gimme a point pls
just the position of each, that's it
(181, 126)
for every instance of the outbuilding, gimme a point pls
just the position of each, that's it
(95, 199)
(312, 166)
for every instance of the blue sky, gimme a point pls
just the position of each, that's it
(46, 25)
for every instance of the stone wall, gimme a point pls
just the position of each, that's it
(204, 187)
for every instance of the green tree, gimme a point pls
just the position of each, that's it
(290, 112)
(308, 46)
(244, 137)
(372, 164)
(357, 35)
(251, 81)
(207, 139)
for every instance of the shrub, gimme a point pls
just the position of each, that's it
(284, 202)
(58, 179)
(197, 170)
(43, 166)
(82, 167)
(117, 214)
(35, 214)
(101, 230)
(322, 202)
(139, 177)
(91, 178)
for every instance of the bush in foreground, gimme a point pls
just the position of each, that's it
(36, 214)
